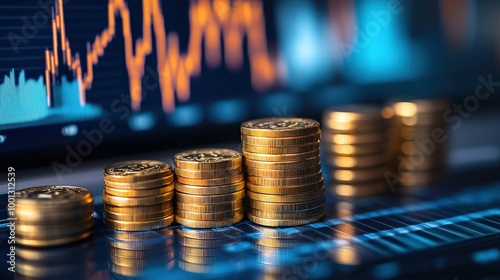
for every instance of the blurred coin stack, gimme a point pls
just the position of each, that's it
(205, 251)
(283, 168)
(138, 195)
(53, 215)
(140, 254)
(210, 188)
(418, 136)
(354, 145)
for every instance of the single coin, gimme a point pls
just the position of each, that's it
(136, 171)
(49, 197)
(147, 184)
(363, 161)
(208, 224)
(57, 230)
(138, 216)
(283, 173)
(295, 181)
(285, 222)
(138, 192)
(282, 141)
(208, 174)
(208, 159)
(280, 127)
(358, 175)
(139, 225)
(287, 215)
(292, 198)
(211, 182)
(32, 216)
(351, 113)
(142, 263)
(149, 244)
(286, 207)
(355, 139)
(140, 208)
(51, 242)
(365, 189)
(286, 190)
(281, 150)
(281, 157)
(140, 236)
(203, 190)
(209, 208)
(156, 253)
(209, 199)
(202, 252)
(215, 216)
(419, 106)
(332, 126)
(282, 165)
(136, 201)
(356, 150)
(136, 271)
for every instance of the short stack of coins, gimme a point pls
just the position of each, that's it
(210, 187)
(138, 195)
(418, 138)
(284, 179)
(53, 215)
(354, 146)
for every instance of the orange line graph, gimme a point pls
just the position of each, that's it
(208, 21)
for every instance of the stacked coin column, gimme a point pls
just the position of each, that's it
(355, 150)
(283, 168)
(53, 215)
(418, 134)
(138, 195)
(209, 188)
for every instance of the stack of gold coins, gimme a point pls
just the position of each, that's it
(355, 150)
(53, 215)
(205, 251)
(418, 137)
(140, 254)
(138, 195)
(210, 188)
(283, 167)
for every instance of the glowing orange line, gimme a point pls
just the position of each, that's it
(175, 69)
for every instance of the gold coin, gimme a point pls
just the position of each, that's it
(140, 263)
(209, 199)
(419, 106)
(139, 225)
(208, 174)
(420, 121)
(281, 157)
(365, 189)
(375, 125)
(57, 230)
(355, 139)
(356, 150)
(280, 142)
(201, 252)
(280, 127)
(203, 190)
(134, 271)
(282, 165)
(138, 216)
(149, 244)
(283, 173)
(140, 236)
(215, 216)
(356, 161)
(53, 197)
(208, 224)
(281, 150)
(292, 198)
(296, 181)
(201, 260)
(140, 208)
(287, 215)
(209, 208)
(353, 113)
(286, 190)
(147, 184)
(358, 175)
(285, 222)
(51, 242)
(208, 159)
(286, 207)
(32, 216)
(136, 201)
(166, 252)
(136, 171)
(211, 182)
(138, 192)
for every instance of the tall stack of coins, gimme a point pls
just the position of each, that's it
(282, 163)
(418, 133)
(138, 195)
(210, 188)
(355, 150)
(53, 215)
(140, 254)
